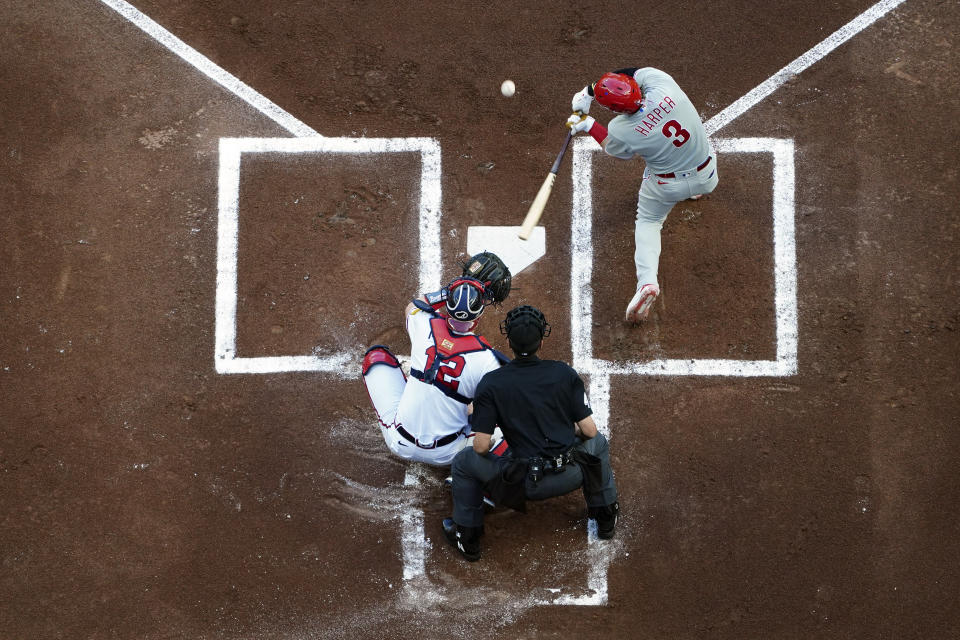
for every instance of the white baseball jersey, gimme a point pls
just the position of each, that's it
(666, 132)
(425, 410)
(427, 422)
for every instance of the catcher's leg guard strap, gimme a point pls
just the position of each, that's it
(379, 354)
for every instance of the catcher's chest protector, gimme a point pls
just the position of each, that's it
(449, 345)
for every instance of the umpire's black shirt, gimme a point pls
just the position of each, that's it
(535, 402)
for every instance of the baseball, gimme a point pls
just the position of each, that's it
(508, 88)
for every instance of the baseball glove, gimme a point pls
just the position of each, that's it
(489, 269)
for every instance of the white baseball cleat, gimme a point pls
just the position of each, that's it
(639, 306)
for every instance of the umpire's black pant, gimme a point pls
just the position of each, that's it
(472, 473)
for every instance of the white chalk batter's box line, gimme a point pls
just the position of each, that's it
(231, 151)
(784, 250)
(784, 267)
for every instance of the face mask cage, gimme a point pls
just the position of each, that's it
(525, 314)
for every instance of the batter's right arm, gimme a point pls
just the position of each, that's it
(578, 123)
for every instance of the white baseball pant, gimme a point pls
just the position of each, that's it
(385, 385)
(654, 201)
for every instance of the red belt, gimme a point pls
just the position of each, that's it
(673, 175)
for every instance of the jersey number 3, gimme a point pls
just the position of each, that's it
(673, 130)
(449, 370)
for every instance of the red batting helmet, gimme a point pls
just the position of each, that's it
(618, 92)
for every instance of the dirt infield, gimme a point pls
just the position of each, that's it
(145, 495)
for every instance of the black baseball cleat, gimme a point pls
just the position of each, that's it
(606, 518)
(466, 540)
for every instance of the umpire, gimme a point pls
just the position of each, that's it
(555, 448)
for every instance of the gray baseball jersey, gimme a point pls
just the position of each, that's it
(666, 132)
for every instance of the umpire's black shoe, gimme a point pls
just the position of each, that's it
(606, 518)
(466, 540)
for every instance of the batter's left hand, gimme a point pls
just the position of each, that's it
(578, 123)
(581, 101)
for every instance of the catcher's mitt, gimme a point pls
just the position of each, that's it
(489, 269)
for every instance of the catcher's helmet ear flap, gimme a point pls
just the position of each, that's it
(465, 301)
(525, 328)
(618, 92)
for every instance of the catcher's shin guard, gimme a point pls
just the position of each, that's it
(379, 354)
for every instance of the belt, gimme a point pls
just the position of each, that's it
(554, 463)
(559, 462)
(442, 442)
(674, 175)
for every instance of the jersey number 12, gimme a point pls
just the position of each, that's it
(449, 369)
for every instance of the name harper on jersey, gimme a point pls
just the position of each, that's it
(653, 118)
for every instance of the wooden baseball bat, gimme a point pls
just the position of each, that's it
(536, 209)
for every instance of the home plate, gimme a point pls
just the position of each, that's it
(516, 253)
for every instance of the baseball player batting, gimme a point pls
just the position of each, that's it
(426, 419)
(658, 123)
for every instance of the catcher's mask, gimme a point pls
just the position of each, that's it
(618, 92)
(525, 328)
(465, 301)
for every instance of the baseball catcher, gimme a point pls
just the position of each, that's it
(426, 419)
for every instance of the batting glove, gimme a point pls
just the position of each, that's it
(581, 101)
(578, 123)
